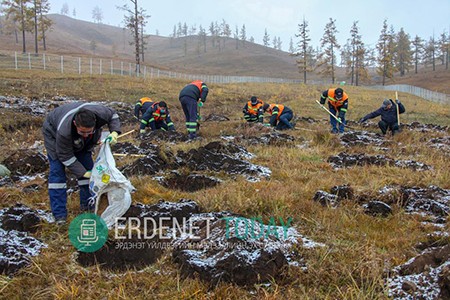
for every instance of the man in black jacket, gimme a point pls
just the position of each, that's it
(388, 113)
(70, 133)
(192, 95)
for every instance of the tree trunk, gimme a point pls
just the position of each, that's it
(35, 29)
(136, 36)
(22, 16)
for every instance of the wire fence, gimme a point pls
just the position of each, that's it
(96, 66)
(85, 65)
(417, 91)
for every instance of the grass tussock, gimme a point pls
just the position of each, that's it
(358, 248)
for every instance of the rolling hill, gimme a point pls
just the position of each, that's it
(189, 55)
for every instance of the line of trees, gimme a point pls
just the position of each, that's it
(27, 16)
(395, 52)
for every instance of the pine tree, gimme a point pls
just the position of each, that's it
(327, 59)
(243, 35)
(65, 9)
(291, 46)
(403, 52)
(302, 46)
(430, 52)
(355, 61)
(417, 52)
(266, 38)
(97, 14)
(443, 45)
(17, 11)
(385, 59)
(133, 20)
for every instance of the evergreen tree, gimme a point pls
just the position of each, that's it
(65, 9)
(243, 35)
(403, 52)
(18, 12)
(302, 46)
(274, 42)
(291, 46)
(385, 54)
(236, 37)
(355, 62)
(97, 14)
(133, 19)
(327, 58)
(202, 38)
(443, 45)
(417, 52)
(266, 38)
(430, 53)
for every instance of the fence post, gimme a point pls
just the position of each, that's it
(43, 60)
(29, 61)
(15, 60)
(62, 64)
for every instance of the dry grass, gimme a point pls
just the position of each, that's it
(359, 248)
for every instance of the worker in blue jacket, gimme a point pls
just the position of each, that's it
(192, 96)
(388, 113)
(157, 117)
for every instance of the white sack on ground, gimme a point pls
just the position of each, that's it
(106, 178)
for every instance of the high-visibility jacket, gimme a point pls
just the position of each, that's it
(195, 90)
(337, 104)
(253, 109)
(142, 105)
(276, 109)
(154, 114)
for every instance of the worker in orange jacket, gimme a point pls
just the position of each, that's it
(253, 110)
(337, 104)
(280, 116)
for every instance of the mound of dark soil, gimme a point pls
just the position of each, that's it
(344, 160)
(166, 136)
(216, 118)
(123, 254)
(189, 182)
(26, 162)
(353, 138)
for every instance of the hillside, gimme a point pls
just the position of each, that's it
(71, 36)
(74, 37)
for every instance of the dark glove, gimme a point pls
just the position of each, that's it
(171, 128)
(322, 101)
(362, 120)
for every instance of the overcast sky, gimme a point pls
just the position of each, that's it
(281, 18)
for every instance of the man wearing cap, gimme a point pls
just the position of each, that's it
(253, 110)
(388, 113)
(337, 104)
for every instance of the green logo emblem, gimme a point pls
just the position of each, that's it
(88, 232)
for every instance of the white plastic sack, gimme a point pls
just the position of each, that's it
(106, 178)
